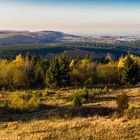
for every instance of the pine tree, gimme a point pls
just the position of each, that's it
(58, 73)
(88, 57)
(27, 57)
(40, 71)
(109, 58)
(129, 72)
(31, 62)
(65, 71)
(38, 74)
(53, 73)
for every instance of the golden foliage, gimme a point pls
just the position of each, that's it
(121, 62)
(85, 61)
(107, 73)
(24, 100)
(19, 61)
(136, 59)
(72, 63)
(13, 73)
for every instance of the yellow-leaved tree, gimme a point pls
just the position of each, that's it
(122, 60)
(72, 63)
(83, 72)
(20, 77)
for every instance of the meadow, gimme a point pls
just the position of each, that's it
(69, 99)
(57, 119)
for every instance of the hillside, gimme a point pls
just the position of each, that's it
(26, 37)
(95, 120)
(44, 37)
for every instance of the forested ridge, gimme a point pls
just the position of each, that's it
(117, 49)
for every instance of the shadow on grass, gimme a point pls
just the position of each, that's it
(60, 112)
(101, 99)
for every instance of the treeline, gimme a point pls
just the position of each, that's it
(37, 72)
(117, 49)
(10, 52)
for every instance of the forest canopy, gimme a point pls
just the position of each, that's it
(30, 71)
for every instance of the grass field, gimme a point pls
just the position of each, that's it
(58, 120)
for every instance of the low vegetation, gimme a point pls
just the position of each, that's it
(21, 102)
(122, 102)
(24, 101)
(69, 99)
(80, 97)
(97, 118)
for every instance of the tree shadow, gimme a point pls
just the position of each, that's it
(99, 99)
(61, 112)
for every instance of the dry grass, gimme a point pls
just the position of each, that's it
(59, 121)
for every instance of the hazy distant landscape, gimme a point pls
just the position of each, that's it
(43, 37)
(50, 43)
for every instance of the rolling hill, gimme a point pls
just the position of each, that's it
(41, 37)
(8, 38)
(51, 43)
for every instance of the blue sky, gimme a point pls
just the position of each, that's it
(72, 16)
(58, 2)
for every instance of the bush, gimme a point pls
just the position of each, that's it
(105, 90)
(89, 83)
(82, 73)
(4, 104)
(24, 101)
(132, 113)
(77, 100)
(84, 94)
(80, 97)
(122, 102)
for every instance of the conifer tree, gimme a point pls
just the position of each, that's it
(53, 73)
(40, 71)
(27, 57)
(65, 71)
(129, 71)
(58, 73)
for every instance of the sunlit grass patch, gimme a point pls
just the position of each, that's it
(24, 101)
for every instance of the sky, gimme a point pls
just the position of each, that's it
(72, 16)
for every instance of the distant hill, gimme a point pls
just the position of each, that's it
(51, 43)
(41, 37)
(8, 38)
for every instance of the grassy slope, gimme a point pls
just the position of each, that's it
(58, 120)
